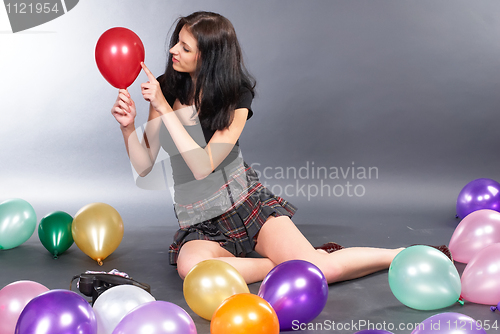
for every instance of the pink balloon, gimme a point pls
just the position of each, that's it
(480, 283)
(13, 299)
(477, 230)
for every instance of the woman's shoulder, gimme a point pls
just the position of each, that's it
(245, 100)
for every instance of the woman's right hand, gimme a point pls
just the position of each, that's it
(124, 109)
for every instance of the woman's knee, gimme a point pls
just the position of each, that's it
(333, 272)
(194, 252)
(186, 263)
(332, 269)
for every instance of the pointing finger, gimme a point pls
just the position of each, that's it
(150, 75)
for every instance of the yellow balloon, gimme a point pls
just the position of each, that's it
(97, 230)
(209, 283)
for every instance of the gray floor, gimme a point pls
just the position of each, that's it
(143, 255)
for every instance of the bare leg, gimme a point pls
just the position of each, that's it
(338, 266)
(193, 252)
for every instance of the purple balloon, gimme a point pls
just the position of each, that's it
(156, 317)
(494, 308)
(297, 290)
(57, 312)
(449, 323)
(478, 194)
(373, 331)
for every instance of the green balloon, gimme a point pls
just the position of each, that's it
(423, 278)
(17, 222)
(55, 233)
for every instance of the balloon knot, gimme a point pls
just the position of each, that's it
(493, 309)
(99, 262)
(461, 300)
(55, 257)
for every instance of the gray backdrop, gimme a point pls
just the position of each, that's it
(406, 90)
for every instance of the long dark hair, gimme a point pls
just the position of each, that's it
(220, 70)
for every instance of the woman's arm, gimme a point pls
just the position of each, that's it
(201, 161)
(142, 154)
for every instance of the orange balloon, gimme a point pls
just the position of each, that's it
(245, 313)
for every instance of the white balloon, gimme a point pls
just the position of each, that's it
(114, 303)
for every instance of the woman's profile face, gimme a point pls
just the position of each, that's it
(185, 52)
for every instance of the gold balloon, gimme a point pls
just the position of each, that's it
(97, 230)
(209, 283)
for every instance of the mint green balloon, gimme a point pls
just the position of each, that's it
(423, 278)
(17, 222)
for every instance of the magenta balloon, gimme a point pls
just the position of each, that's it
(480, 283)
(156, 317)
(477, 230)
(449, 323)
(478, 194)
(297, 290)
(13, 299)
(57, 312)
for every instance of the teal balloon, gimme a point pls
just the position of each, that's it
(54, 232)
(423, 278)
(17, 222)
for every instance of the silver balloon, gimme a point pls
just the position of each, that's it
(115, 303)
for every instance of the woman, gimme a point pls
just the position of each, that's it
(206, 71)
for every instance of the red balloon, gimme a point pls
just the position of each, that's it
(118, 54)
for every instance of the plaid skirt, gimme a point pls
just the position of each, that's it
(236, 230)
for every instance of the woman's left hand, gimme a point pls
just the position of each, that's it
(151, 92)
